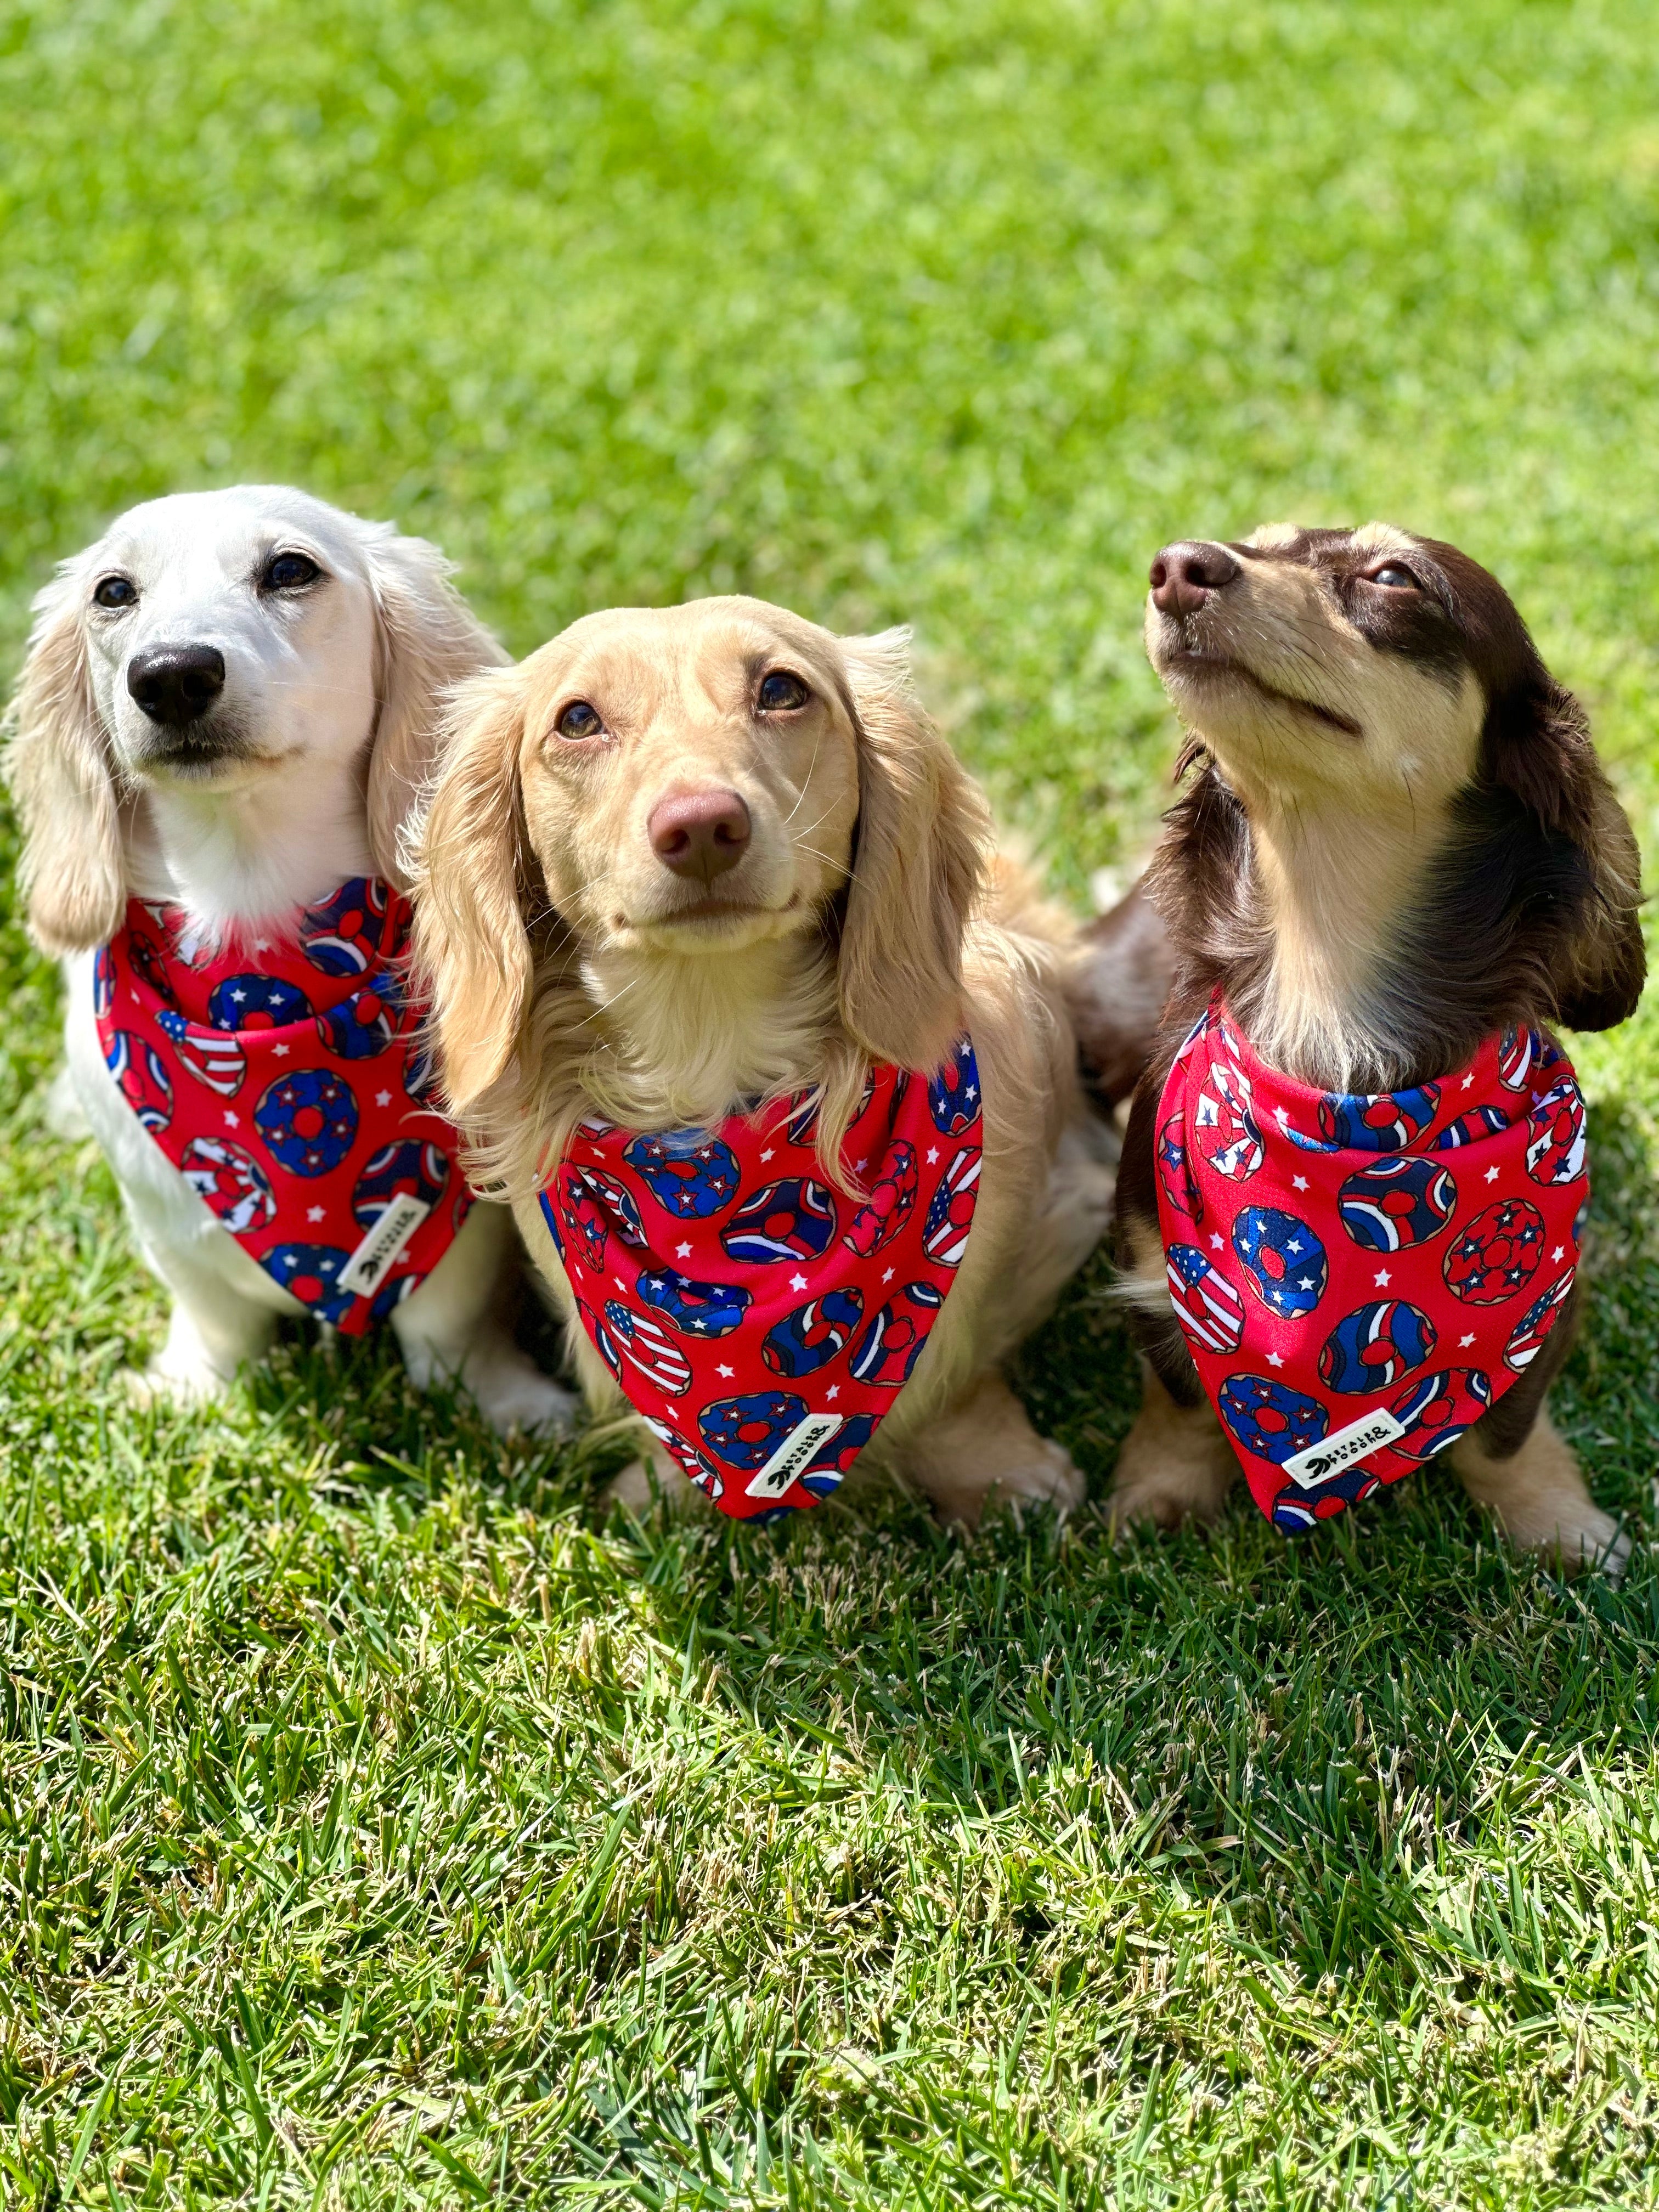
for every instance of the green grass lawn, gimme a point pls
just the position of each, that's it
(378, 1828)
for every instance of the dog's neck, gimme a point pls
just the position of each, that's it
(687, 1039)
(1302, 926)
(243, 858)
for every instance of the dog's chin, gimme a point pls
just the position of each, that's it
(710, 924)
(1217, 693)
(212, 759)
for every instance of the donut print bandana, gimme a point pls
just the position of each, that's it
(760, 1323)
(288, 1085)
(1360, 1279)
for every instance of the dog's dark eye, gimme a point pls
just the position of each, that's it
(579, 720)
(1399, 579)
(115, 591)
(782, 690)
(288, 571)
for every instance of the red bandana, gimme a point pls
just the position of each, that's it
(1360, 1279)
(306, 1118)
(759, 1321)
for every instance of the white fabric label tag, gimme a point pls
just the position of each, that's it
(364, 1271)
(792, 1453)
(1358, 1441)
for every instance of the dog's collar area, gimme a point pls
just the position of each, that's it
(760, 1323)
(1361, 1277)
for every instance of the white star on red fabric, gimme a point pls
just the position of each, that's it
(1216, 1242)
(833, 1391)
(1299, 1182)
(1464, 1342)
(728, 1371)
(798, 1282)
(933, 1154)
(314, 1213)
(383, 1098)
(232, 1120)
(1559, 1253)
(1273, 1360)
(682, 1251)
(1381, 1279)
(1467, 1083)
(888, 1276)
(279, 1052)
(766, 1154)
(1492, 1175)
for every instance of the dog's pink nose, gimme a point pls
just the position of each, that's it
(698, 832)
(1184, 575)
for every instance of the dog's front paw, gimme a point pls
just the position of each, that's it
(1174, 1466)
(514, 1396)
(171, 1383)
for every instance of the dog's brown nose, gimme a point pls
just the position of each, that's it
(1185, 574)
(698, 832)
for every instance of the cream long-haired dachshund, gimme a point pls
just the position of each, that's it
(683, 861)
(228, 703)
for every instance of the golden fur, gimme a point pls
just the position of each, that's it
(572, 971)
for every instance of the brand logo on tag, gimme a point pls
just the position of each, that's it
(1358, 1441)
(792, 1453)
(365, 1270)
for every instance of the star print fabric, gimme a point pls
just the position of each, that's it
(760, 1323)
(1360, 1278)
(289, 1085)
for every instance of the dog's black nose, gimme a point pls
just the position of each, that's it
(698, 832)
(1184, 575)
(177, 683)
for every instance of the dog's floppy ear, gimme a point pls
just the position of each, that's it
(921, 845)
(1536, 744)
(427, 640)
(471, 949)
(58, 764)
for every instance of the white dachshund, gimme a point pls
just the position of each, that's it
(229, 705)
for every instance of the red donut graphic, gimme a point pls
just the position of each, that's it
(1495, 1255)
(950, 1212)
(892, 1201)
(1555, 1135)
(1224, 1127)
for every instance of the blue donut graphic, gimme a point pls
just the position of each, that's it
(1536, 1323)
(643, 1339)
(1471, 1126)
(310, 1272)
(423, 1084)
(1495, 1255)
(950, 1209)
(594, 1204)
(1297, 1509)
(551, 1217)
(231, 1181)
(892, 1342)
(810, 1338)
(406, 1170)
(600, 1338)
(257, 1002)
(103, 980)
(1436, 1409)
(345, 934)
(690, 1175)
(1284, 1258)
(359, 1026)
(793, 1218)
(705, 1309)
(1397, 1203)
(1174, 1175)
(953, 1098)
(1555, 1135)
(892, 1198)
(745, 1432)
(1207, 1305)
(827, 1468)
(686, 1456)
(1378, 1344)
(1269, 1419)
(1376, 1121)
(212, 1056)
(308, 1121)
(143, 1082)
(144, 957)
(1519, 1052)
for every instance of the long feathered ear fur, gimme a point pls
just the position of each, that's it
(1536, 745)
(58, 764)
(923, 842)
(472, 951)
(429, 640)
